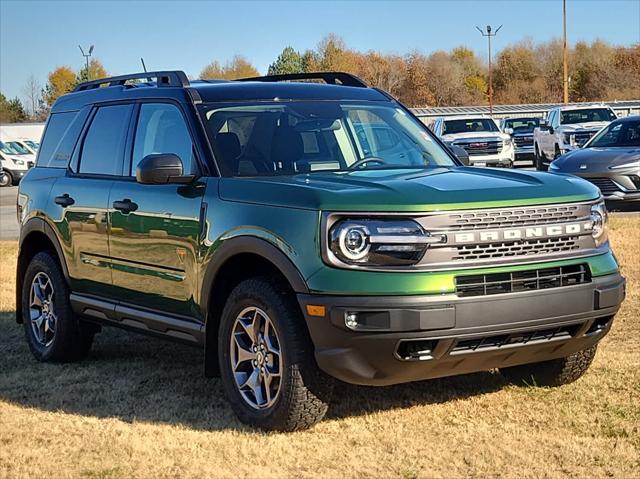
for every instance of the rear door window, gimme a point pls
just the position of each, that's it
(103, 147)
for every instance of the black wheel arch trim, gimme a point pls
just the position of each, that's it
(36, 225)
(252, 245)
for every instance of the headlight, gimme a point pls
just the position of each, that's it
(507, 142)
(632, 164)
(372, 242)
(19, 162)
(569, 138)
(599, 220)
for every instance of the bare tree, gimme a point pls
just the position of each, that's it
(32, 92)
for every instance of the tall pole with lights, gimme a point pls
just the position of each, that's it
(565, 68)
(86, 57)
(489, 34)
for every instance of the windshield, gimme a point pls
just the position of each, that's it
(310, 136)
(624, 133)
(34, 145)
(522, 125)
(12, 148)
(586, 115)
(451, 127)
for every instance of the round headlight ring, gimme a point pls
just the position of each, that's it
(354, 242)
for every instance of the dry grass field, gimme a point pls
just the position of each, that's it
(139, 407)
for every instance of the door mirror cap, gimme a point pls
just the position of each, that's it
(508, 131)
(460, 153)
(544, 125)
(161, 168)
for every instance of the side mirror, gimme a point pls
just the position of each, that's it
(159, 169)
(508, 131)
(544, 125)
(460, 153)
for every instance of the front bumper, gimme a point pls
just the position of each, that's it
(409, 338)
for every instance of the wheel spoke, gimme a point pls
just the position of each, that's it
(38, 297)
(242, 354)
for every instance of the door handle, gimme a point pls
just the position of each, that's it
(125, 206)
(64, 200)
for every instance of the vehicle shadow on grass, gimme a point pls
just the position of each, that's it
(136, 378)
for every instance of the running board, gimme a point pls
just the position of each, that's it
(140, 320)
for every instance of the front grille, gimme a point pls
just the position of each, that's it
(519, 281)
(517, 248)
(606, 185)
(509, 218)
(521, 141)
(481, 147)
(582, 137)
(514, 339)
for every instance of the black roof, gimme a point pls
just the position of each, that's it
(174, 84)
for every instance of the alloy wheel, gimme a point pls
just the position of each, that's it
(41, 309)
(256, 360)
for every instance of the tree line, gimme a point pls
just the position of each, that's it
(524, 72)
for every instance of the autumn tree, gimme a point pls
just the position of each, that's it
(11, 111)
(238, 67)
(289, 61)
(95, 72)
(60, 81)
(415, 89)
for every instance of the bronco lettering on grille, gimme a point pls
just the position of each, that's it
(523, 233)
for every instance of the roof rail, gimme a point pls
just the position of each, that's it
(175, 78)
(332, 78)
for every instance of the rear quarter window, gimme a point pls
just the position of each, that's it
(57, 127)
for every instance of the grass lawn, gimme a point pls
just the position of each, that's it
(140, 407)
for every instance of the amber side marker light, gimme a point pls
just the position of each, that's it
(315, 310)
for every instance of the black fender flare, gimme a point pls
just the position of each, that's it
(38, 225)
(253, 245)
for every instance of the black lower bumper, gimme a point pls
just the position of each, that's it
(400, 339)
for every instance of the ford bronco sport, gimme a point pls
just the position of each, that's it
(301, 232)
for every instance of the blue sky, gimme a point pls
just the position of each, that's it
(36, 36)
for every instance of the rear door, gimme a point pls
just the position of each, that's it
(82, 195)
(154, 242)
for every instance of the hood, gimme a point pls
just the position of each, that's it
(408, 190)
(480, 135)
(588, 125)
(591, 160)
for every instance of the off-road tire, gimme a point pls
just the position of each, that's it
(305, 391)
(539, 160)
(5, 178)
(72, 339)
(551, 373)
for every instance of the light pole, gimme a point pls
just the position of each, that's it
(565, 68)
(488, 34)
(86, 57)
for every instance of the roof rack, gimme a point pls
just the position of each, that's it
(174, 78)
(332, 78)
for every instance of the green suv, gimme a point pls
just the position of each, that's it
(302, 229)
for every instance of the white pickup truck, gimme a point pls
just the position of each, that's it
(480, 136)
(567, 128)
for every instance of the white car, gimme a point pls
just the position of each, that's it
(30, 145)
(568, 128)
(480, 136)
(15, 163)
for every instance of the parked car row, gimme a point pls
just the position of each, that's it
(16, 157)
(587, 140)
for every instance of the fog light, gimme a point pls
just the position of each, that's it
(351, 320)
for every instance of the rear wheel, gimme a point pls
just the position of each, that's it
(5, 178)
(552, 373)
(267, 366)
(53, 333)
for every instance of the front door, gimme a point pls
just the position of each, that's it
(154, 229)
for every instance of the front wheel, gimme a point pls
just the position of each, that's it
(539, 161)
(552, 373)
(5, 178)
(267, 366)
